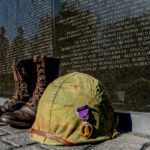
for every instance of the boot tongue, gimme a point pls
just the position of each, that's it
(40, 85)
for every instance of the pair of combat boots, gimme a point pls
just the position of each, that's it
(31, 78)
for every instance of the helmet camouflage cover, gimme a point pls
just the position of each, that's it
(74, 109)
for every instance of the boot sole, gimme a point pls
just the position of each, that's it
(16, 124)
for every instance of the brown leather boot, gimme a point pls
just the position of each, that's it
(25, 117)
(22, 71)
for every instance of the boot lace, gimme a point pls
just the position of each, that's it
(40, 84)
(20, 91)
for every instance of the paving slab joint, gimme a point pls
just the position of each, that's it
(89, 147)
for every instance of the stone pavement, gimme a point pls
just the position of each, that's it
(18, 139)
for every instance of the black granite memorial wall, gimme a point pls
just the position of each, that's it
(108, 39)
(26, 29)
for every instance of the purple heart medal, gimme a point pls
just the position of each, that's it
(86, 128)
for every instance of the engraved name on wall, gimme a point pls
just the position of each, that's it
(111, 41)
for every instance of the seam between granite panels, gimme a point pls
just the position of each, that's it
(16, 145)
(14, 132)
(140, 135)
(88, 147)
(9, 143)
(5, 133)
(12, 146)
(145, 146)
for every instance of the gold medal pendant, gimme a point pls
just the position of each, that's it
(86, 130)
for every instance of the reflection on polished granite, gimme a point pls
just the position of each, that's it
(106, 39)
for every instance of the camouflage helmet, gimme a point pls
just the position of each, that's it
(74, 109)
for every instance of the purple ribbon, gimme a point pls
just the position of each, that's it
(83, 112)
